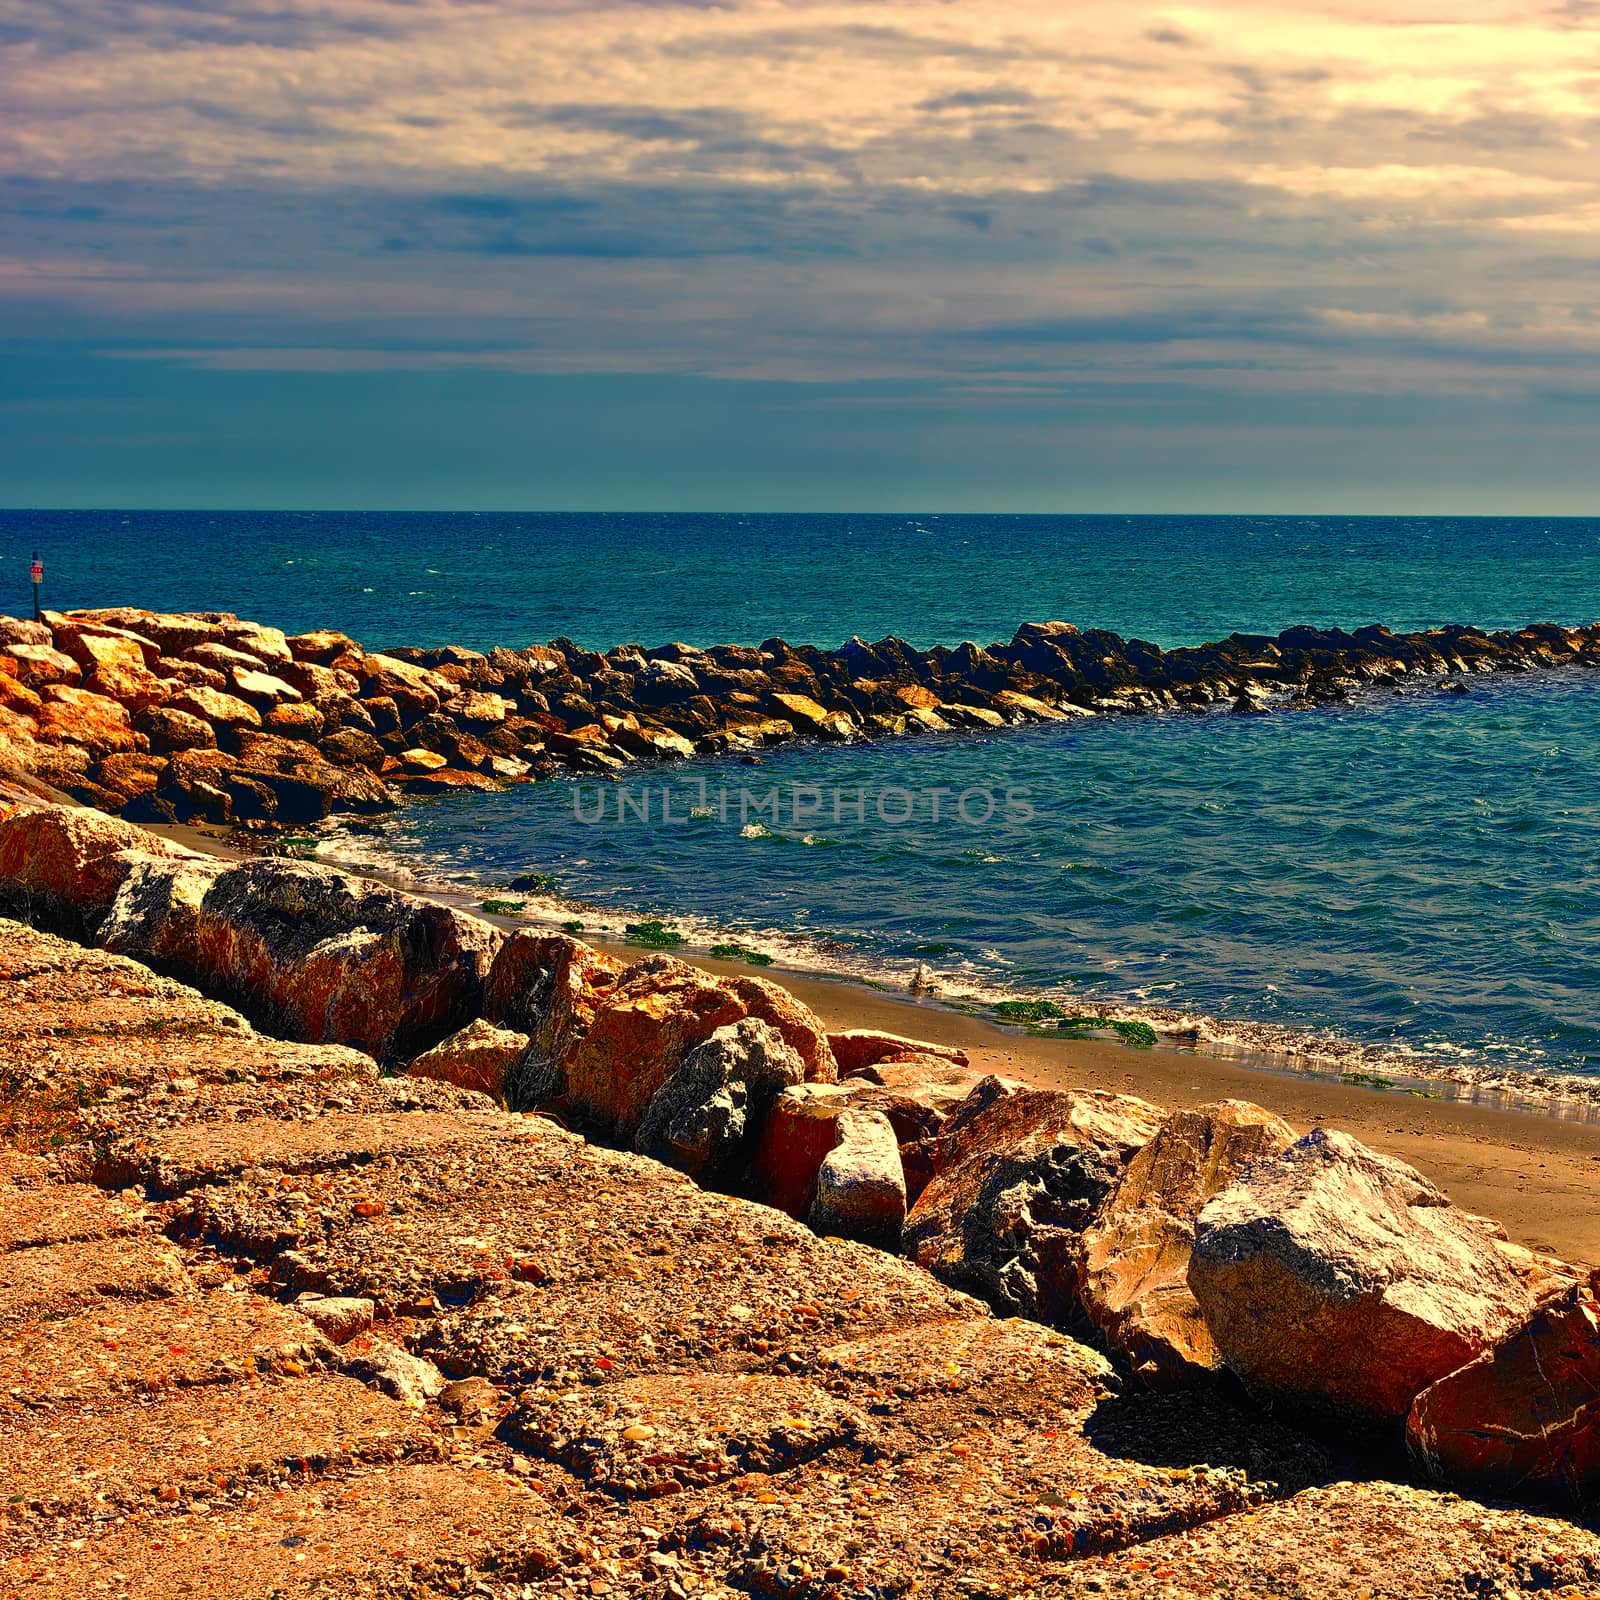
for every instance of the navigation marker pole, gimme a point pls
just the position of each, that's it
(36, 573)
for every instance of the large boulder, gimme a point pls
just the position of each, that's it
(1020, 1174)
(548, 986)
(69, 715)
(1340, 1282)
(1523, 1418)
(1134, 1265)
(61, 867)
(310, 953)
(479, 1056)
(861, 1186)
(660, 1009)
(704, 1118)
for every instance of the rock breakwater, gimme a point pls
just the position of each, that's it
(207, 717)
(247, 1274)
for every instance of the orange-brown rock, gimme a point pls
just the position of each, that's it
(130, 684)
(314, 954)
(661, 1008)
(857, 1048)
(1524, 1417)
(1020, 1174)
(213, 706)
(798, 1134)
(95, 644)
(294, 721)
(1134, 1269)
(168, 730)
(17, 697)
(128, 774)
(548, 985)
(324, 646)
(39, 664)
(415, 691)
(78, 716)
(171, 634)
(478, 1056)
(1340, 1282)
(62, 866)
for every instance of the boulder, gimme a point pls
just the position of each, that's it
(93, 644)
(478, 1056)
(61, 868)
(1524, 1417)
(857, 1048)
(861, 1187)
(293, 721)
(548, 986)
(169, 729)
(262, 689)
(22, 630)
(917, 1093)
(1340, 1282)
(310, 953)
(324, 647)
(78, 716)
(129, 684)
(660, 1009)
(704, 1118)
(39, 664)
(129, 775)
(268, 645)
(796, 1139)
(352, 747)
(1134, 1266)
(213, 706)
(338, 1318)
(1020, 1173)
(171, 634)
(414, 691)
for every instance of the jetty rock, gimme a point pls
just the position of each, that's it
(523, 715)
(658, 1010)
(1134, 1257)
(705, 1118)
(1019, 1174)
(479, 1056)
(861, 1185)
(1340, 1282)
(548, 986)
(1524, 1417)
(61, 866)
(308, 952)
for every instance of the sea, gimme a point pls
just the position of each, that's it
(1407, 883)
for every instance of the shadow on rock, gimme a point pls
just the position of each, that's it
(1210, 1427)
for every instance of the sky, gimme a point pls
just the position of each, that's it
(1022, 255)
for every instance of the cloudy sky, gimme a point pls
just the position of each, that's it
(1009, 254)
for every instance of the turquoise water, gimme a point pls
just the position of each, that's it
(1419, 873)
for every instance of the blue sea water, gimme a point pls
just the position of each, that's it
(1418, 873)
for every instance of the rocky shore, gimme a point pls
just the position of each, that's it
(207, 718)
(353, 1246)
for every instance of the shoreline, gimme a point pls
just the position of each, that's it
(1258, 1046)
(1533, 1171)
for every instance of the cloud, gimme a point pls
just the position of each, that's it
(809, 190)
